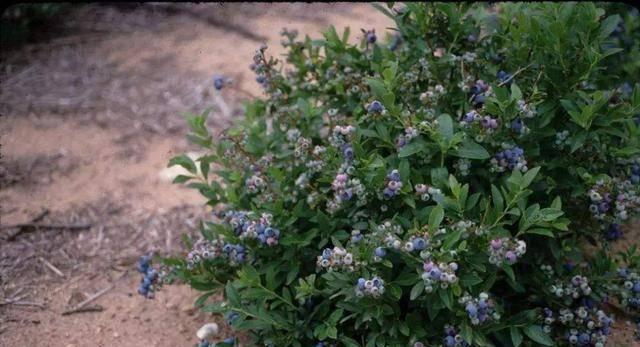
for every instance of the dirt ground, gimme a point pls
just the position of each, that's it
(89, 120)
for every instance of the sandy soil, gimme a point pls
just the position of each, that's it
(89, 120)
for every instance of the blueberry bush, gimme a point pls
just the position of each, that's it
(461, 183)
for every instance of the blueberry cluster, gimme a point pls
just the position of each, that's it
(246, 228)
(526, 110)
(468, 228)
(603, 204)
(235, 253)
(373, 287)
(463, 166)
(479, 309)
(416, 243)
(600, 201)
(393, 185)
(356, 236)
(613, 232)
(584, 326)
(205, 250)
(255, 183)
(301, 148)
(576, 288)
(426, 192)
(478, 92)
(432, 94)
(468, 57)
(635, 173)
(341, 138)
(375, 107)
(506, 250)
(344, 188)
(441, 273)
(509, 159)
(470, 117)
(561, 138)
(630, 291)
(452, 337)
(264, 69)
(149, 276)
(518, 127)
(486, 123)
(336, 259)
(403, 139)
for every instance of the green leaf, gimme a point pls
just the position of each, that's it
(608, 25)
(516, 94)
(529, 177)
(417, 289)
(182, 178)
(377, 87)
(411, 149)
(498, 201)
(536, 333)
(471, 150)
(184, 161)
(541, 231)
(232, 294)
(435, 217)
(466, 332)
(444, 296)
(509, 271)
(445, 126)
(516, 336)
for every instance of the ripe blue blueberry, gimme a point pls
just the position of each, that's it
(613, 232)
(584, 338)
(375, 107)
(347, 151)
(218, 82)
(370, 36)
(516, 125)
(419, 244)
(472, 310)
(388, 193)
(504, 77)
(435, 273)
(380, 252)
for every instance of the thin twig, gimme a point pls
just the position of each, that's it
(24, 227)
(51, 267)
(94, 308)
(514, 75)
(46, 226)
(80, 306)
(24, 303)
